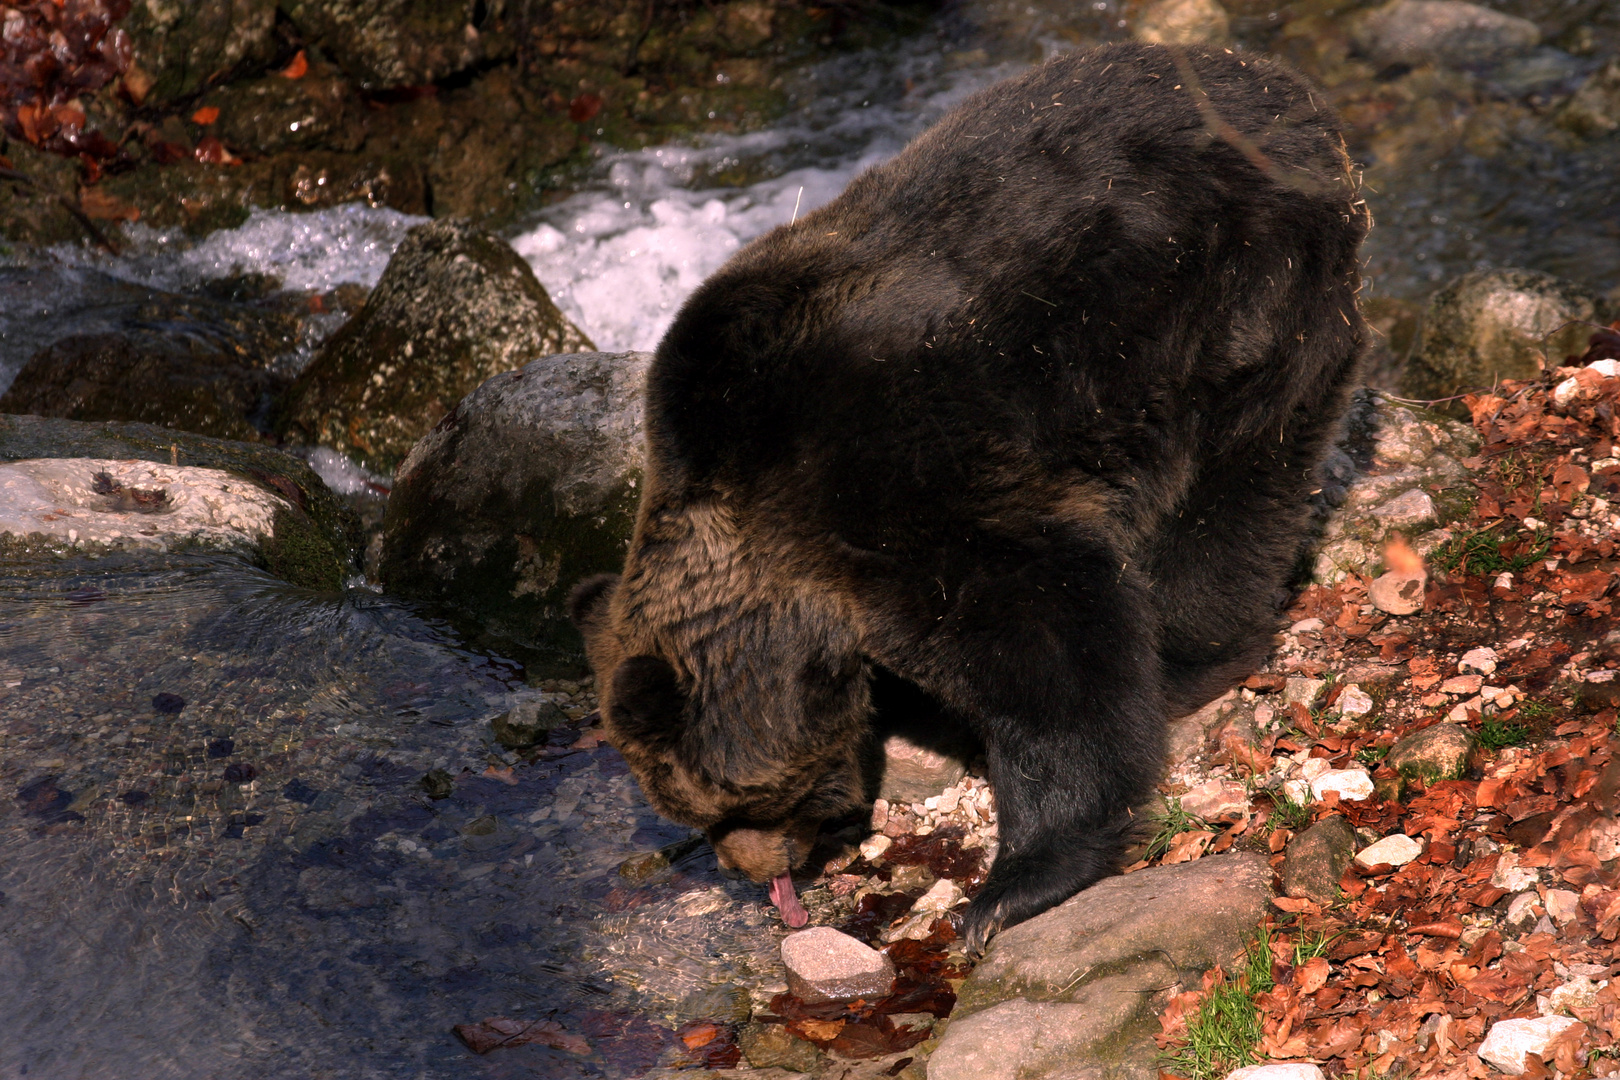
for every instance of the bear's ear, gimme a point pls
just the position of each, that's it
(647, 705)
(588, 602)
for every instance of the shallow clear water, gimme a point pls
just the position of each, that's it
(258, 884)
(325, 916)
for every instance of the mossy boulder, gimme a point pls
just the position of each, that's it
(182, 45)
(384, 43)
(455, 307)
(312, 538)
(192, 364)
(1497, 324)
(530, 484)
(1437, 752)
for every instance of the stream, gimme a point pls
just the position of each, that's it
(250, 830)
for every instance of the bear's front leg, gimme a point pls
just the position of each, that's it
(1055, 662)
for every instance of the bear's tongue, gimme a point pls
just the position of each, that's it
(787, 901)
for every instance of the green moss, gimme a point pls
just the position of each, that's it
(300, 554)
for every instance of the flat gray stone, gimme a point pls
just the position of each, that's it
(824, 964)
(1075, 992)
(1443, 32)
(1398, 593)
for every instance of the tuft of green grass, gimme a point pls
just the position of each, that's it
(1227, 1027)
(1372, 755)
(1481, 553)
(1286, 813)
(1170, 823)
(1494, 734)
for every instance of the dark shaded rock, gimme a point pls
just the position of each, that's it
(1493, 325)
(168, 703)
(181, 46)
(1084, 981)
(528, 486)
(1443, 32)
(272, 114)
(385, 43)
(639, 868)
(438, 784)
(526, 724)
(314, 537)
(455, 307)
(152, 378)
(1316, 859)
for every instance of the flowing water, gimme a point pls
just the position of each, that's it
(218, 857)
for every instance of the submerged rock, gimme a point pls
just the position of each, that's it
(455, 307)
(529, 485)
(310, 538)
(1493, 325)
(1076, 990)
(1443, 32)
(1594, 109)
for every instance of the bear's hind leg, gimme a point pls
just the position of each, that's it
(1055, 662)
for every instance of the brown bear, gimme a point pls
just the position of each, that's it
(1027, 418)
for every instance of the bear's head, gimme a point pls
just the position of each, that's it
(758, 760)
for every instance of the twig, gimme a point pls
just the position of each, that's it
(69, 205)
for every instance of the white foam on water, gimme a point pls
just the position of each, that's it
(343, 476)
(621, 257)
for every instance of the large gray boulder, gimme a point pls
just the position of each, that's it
(70, 488)
(527, 486)
(455, 307)
(1447, 32)
(1076, 992)
(1495, 324)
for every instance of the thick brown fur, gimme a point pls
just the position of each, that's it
(1027, 417)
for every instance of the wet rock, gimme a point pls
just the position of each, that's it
(1082, 982)
(1290, 1071)
(312, 536)
(1443, 32)
(1183, 22)
(1492, 325)
(824, 964)
(1316, 859)
(1438, 752)
(386, 43)
(1594, 109)
(771, 1046)
(179, 47)
(1217, 800)
(1508, 1041)
(527, 487)
(1350, 784)
(182, 362)
(639, 868)
(526, 724)
(1398, 593)
(1396, 850)
(273, 114)
(455, 307)
(912, 773)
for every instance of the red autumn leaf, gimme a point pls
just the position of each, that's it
(584, 107)
(205, 115)
(298, 68)
(102, 206)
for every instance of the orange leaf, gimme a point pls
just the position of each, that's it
(701, 1034)
(298, 68)
(1312, 975)
(205, 115)
(102, 206)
